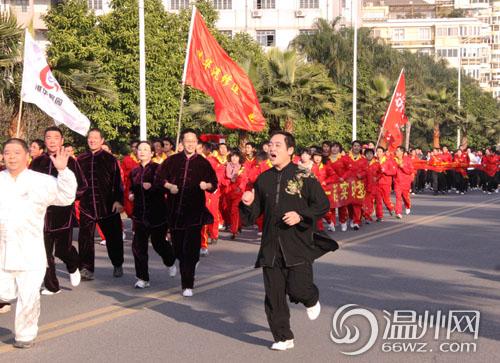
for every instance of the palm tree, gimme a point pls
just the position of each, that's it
(10, 36)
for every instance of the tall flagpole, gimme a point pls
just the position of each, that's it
(355, 70)
(390, 103)
(184, 73)
(18, 130)
(142, 74)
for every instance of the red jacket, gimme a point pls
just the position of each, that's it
(387, 169)
(463, 160)
(355, 168)
(334, 170)
(446, 157)
(490, 164)
(404, 172)
(373, 174)
(319, 171)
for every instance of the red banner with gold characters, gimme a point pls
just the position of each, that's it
(347, 192)
(211, 70)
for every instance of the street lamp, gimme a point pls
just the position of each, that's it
(354, 20)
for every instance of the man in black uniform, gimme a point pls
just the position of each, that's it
(101, 203)
(59, 221)
(292, 200)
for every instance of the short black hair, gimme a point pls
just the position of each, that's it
(381, 148)
(402, 148)
(356, 142)
(251, 144)
(236, 152)
(169, 139)
(306, 150)
(67, 144)
(289, 138)
(188, 131)
(208, 146)
(96, 129)
(326, 142)
(40, 143)
(53, 128)
(147, 143)
(135, 141)
(369, 151)
(335, 143)
(15, 140)
(262, 155)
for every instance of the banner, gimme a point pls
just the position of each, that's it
(41, 88)
(347, 192)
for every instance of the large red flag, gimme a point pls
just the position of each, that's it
(211, 70)
(395, 116)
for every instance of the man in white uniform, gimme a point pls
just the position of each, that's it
(24, 198)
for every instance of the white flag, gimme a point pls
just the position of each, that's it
(41, 88)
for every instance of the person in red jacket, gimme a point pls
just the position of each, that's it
(129, 163)
(236, 185)
(489, 163)
(388, 171)
(334, 174)
(355, 166)
(449, 174)
(461, 158)
(319, 171)
(373, 175)
(250, 161)
(402, 182)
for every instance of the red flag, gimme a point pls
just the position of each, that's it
(211, 70)
(395, 116)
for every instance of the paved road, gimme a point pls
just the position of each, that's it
(443, 257)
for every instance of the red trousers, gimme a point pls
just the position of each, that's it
(402, 195)
(385, 196)
(354, 213)
(233, 201)
(373, 198)
(211, 230)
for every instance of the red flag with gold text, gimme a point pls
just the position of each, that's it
(395, 116)
(211, 70)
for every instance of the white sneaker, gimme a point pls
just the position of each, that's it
(351, 224)
(221, 227)
(103, 242)
(355, 226)
(75, 278)
(203, 252)
(407, 211)
(259, 234)
(313, 311)
(331, 227)
(343, 227)
(48, 292)
(187, 292)
(287, 344)
(172, 270)
(124, 236)
(141, 284)
(399, 216)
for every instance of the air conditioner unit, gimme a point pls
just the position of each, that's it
(256, 13)
(300, 14)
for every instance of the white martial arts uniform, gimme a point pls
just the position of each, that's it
(23, 203)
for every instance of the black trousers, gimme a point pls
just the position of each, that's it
(60, 244)
(112, 229)
(140, 248)
(280, 281)
(450, 179)
(187, 244)
(438, 182)
(460, 183)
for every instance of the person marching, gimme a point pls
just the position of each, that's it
(24, 198)
(185, 177)
(101, 204)
(388, 171)
(373, 174)
(149, 216)
(335, 169)
(461, 158)
(402, 182)
(129, 163)
(292, 200)
(236, 182)
(59, 221)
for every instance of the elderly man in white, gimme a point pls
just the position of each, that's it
(24, 198)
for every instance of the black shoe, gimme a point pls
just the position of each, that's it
(24, 345)
(86, 274)
(380, 220)
(233, 236)
(118, 271)
(213, 241)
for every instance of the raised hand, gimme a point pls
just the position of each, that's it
(60, 160)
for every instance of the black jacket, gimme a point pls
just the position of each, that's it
(186, 208)
(150, 206)
(278, 192)
(59, 218)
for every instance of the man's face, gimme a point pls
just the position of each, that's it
(371, 145)
(158, 147)
(356, 148)
(54, 141)
(369, 156)
(248, 150)
(144, 152)
(95, 140)
(335, 149)
(35, 150)
(305, 158)
(445, 149)
(15, 157)
(380, 153)
(265, 147)
(189, 141)
(326, 148)
(399, 153)
(223, 150)
(134, 148)
(70, 150)
(199, 149)
(167, 146)
(279, 154)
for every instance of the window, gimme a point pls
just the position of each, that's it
(452, 32)
(228, 33)
(179, 4)
(307, 31)
(95, 4)
(425, 33)
(265, 4)
(398, 34)
(309, 4)
(266, 38)
(376, 33)
(23, 4)
(448, 53)
(223, 4)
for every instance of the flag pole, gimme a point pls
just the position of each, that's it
(387, 113)
(19, 117)
(142, 75)
(184, 73)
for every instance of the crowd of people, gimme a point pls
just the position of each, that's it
(181, 196)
